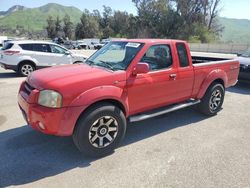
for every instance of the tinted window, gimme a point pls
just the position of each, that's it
(7, 46)
(41, 48)
(182, 54)
(35, 47)
(158, 57)
(28, 47)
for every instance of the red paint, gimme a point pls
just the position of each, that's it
(136, 89)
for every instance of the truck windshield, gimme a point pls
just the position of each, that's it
(115, 55)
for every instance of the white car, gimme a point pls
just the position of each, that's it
(27, 56)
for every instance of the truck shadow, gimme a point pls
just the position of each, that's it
(240, 88)
(28, 156)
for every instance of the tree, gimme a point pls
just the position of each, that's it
(178, 18)
(79, 32)
(213, 12)
(68, 27)
(106, 22)
(58, 26)
(51, 29)
(119, 23)
(88, 27)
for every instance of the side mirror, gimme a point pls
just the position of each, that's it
(140, 68)
(67, 53)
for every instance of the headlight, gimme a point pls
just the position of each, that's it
(50, 98)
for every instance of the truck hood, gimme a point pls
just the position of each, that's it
(75, 78)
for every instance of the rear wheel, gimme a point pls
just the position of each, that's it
(100, 130)
(25, 69)
(213, 99)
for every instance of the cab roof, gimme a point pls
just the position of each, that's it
(151, 41)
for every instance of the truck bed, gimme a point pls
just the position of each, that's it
(199, 59)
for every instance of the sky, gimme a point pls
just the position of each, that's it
(230, 8)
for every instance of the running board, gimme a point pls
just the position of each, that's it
(162, 111)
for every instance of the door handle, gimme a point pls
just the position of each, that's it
(172, 76)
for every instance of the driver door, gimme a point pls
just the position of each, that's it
(157, 87)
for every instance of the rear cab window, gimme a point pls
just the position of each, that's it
(182, 55)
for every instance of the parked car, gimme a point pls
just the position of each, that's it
(58, 40)
(244, 60)
(98, 46)
(82, 45)
(26, 56)
(91, 45)
(141, 79)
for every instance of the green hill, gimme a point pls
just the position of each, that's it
(235, 30)
(35, 18)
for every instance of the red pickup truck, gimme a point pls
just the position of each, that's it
(128, 80)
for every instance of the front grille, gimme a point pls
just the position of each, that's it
(28, 88)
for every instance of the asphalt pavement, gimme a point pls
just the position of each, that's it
(180, 149)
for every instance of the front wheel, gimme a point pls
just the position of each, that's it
(213, 99)
(100, 130)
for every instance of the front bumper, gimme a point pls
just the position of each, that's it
(58, 122)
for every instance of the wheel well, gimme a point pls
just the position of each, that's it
(26, 61)
(220, 81)
(111, 101)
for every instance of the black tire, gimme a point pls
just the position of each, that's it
(213, 99)
(90, 130)
(25, 68)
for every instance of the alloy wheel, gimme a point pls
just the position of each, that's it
(103, 131)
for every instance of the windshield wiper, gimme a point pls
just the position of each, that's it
(107, 65)
(103, 64)
(89, 62)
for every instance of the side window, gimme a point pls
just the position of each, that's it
(182, 54)
(57, 49)
(41, 48)
(158, 57)
(28, 47)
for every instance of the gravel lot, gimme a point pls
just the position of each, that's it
(180, 149)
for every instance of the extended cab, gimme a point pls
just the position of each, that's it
(128, 80)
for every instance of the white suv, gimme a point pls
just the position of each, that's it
(27, 56)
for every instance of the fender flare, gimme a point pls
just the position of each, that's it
(101, 93)
(217, 74)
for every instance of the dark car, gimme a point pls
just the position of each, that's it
(244, 60)
(98, 46)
